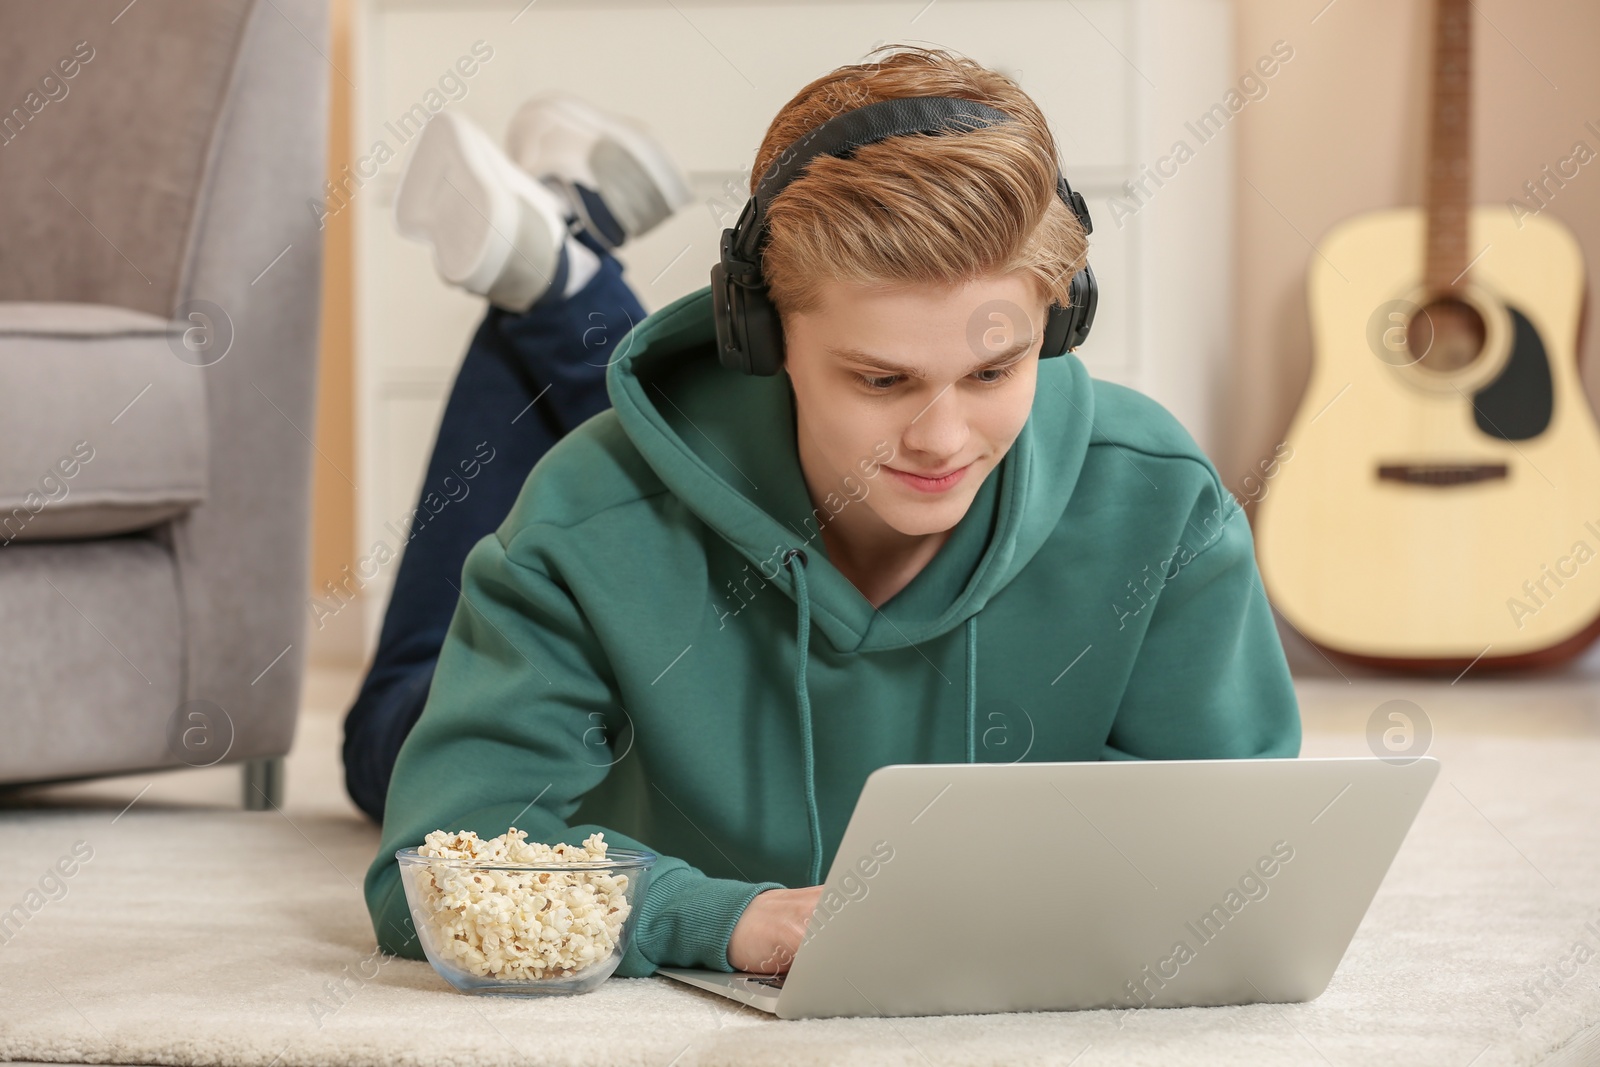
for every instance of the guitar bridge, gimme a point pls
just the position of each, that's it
(1440, 474)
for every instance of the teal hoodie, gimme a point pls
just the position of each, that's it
(636, 650)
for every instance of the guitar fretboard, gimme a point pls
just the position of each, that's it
(1449, 185)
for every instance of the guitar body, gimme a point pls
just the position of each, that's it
(1431, 520)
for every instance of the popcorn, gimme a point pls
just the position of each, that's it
(521, 924)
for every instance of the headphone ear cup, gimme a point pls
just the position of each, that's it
(1085, 295)
(749, 332)
(730, 346)
(1067, 327)
(1057, 325)
(763, 331)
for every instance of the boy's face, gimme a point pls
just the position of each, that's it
(936, 395)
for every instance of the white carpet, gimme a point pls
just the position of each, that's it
(210, 937)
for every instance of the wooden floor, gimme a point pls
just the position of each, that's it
(1338, 698)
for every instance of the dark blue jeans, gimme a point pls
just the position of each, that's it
(526, 381)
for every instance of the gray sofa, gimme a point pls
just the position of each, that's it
(160, 273)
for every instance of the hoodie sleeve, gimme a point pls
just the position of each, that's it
(1210, 679)
(512, 735)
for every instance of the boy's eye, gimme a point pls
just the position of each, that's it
(885, 383)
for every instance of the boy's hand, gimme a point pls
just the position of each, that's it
(769, 932)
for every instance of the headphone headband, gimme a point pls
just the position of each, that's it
(749, 333)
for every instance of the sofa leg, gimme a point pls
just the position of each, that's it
(263, 784)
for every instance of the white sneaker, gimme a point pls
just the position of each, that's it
(494, 230)
(617, 178)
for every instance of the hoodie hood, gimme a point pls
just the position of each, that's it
(724, 444)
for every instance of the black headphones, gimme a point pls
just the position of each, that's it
(749, 332)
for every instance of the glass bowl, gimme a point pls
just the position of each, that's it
(524, 929)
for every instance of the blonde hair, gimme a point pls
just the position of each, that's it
(915, 209)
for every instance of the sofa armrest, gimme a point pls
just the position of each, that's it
(103, 422)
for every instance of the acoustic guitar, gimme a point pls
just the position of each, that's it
(1440, 508)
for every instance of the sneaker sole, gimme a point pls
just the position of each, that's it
(459, 197)
(638, 181)
(446, 199)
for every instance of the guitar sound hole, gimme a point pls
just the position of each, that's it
(1445, 335)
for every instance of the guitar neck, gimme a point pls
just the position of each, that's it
(1449, 185)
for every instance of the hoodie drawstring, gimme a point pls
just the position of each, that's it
(972, 685)
(803, 635)
(803, 699)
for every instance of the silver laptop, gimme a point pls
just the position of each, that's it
(964, 888)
